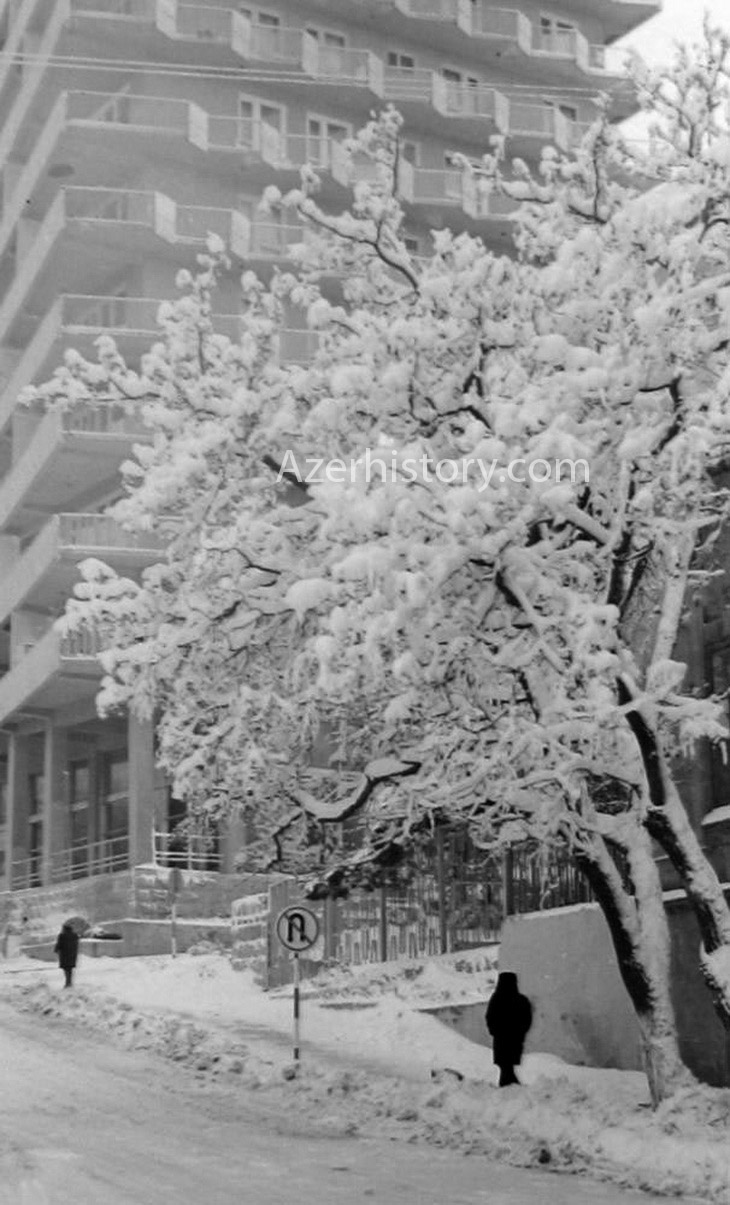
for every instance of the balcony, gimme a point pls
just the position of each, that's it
(46, 571)
(296, 346)
(502, 25)
(78, 321)
(275, 240)
(452, 187)
(608, 60)
(19, 25)
(80, 129)
(457, 12)
(436, 186)
(539, 123)
(118, 216)
(84, 443)
(487, 206)
(409, 85)
(467, 100)
(342, 65)
(475, 103)
(52, 672)
(566, 44)
(201, 23)
(31, 73)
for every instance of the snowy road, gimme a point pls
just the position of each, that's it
(87, 1123)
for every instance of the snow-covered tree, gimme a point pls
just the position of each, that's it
(508, 625)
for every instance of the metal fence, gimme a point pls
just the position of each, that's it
(187, 851)
(77, 862)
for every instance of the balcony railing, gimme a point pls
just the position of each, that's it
(80, 861)
(272, 240)
(485, 205)
(503, 23)
(562, 44)
(437, 186)
(296, 346)
(137, 10)
(194, 224)
(69, 538)
(466, 100)
(148, 114)
(103, 418)
(101, 532)
(456, 11)
(80, 646)
(74, 316)
(609, 60)
(342, 65)
(529, 120)
(269, 45)
(105, 425)
(410, 84)
(186, 851)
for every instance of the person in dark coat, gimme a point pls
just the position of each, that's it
(67, 948)
(508, 1018)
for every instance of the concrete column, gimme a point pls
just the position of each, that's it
(233, 839)
(56, 819)
(16, 829)
(141, 753)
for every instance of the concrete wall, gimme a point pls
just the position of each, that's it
(153, 937)
(38, 913)
(566, 964)
(465, 1019)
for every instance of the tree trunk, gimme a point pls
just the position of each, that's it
(670, 827)
(664, 1066)
(640, 936)
(667, 822)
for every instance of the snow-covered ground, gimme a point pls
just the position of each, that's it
(367, 1060)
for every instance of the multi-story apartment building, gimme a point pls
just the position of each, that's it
(129, 129)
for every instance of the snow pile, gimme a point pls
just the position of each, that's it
(443, 979)
(368, 1070)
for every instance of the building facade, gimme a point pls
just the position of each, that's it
(129, 130)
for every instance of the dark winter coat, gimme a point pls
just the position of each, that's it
(508, 1017)
(67, 947)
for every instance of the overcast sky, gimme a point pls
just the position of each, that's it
(679, 21)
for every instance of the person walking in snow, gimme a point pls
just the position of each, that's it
(67, 948)
(508, 1018)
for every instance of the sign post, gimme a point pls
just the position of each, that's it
(174, 885)
(297, 928)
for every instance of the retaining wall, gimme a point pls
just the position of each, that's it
(566, 964)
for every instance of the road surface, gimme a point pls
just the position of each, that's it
(83, 1122)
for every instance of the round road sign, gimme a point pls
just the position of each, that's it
(297, 928)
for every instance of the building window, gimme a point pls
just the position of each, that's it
(115, 807)
(452, 76)
(556, 36)
(3, 790)
(79, 797)
(328, 37)
(411, 152)
(35, 850)
(36, 791)
(321, 133)
(403, 62)
(252, 114)
(718, 676)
